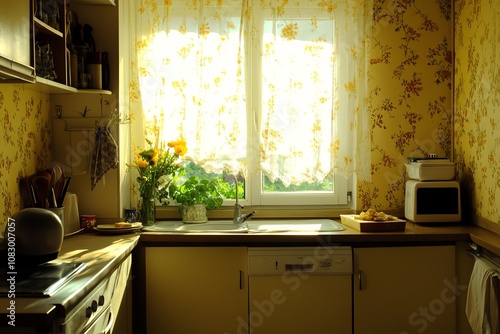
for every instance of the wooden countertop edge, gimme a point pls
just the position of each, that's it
(487, 240)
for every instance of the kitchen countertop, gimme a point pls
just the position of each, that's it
(102, 253)
(414, 233)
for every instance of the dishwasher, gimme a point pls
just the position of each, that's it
(300, 290)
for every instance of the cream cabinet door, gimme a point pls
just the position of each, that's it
(196, 289)
(15, 31)
(403, 290)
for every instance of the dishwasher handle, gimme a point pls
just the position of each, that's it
(301, 267)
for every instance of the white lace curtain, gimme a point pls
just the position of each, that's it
(205, 69)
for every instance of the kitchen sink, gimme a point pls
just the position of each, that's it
(289, 225)
(215, 226)
(253, 226)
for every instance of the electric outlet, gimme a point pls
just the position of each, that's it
(58, 111)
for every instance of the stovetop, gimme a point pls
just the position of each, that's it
(37, 281)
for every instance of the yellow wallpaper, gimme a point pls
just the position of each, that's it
(410, 103)
(477, 107)
(410, 100)
(25, 129)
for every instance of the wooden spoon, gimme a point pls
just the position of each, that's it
(59, 181)
(41, 185)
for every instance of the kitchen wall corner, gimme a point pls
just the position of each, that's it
(477, 110)
(26, 141)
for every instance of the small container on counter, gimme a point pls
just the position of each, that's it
(88, 222)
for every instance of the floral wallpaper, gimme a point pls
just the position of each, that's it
(411, 94)
(411, 90)
(25, 129)
(477, 107)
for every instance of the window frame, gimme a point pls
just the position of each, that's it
(254, 194)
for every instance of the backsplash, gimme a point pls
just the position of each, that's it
(26, 141)
(411, 94)
(477, 108)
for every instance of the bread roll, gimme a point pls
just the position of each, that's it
(123, 224)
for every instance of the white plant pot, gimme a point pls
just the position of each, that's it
(194, 214)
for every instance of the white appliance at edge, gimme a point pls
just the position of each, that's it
(431, 193)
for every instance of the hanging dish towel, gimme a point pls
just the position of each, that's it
(482, 298)
(105, 156)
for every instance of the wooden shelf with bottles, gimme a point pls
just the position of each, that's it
(51, 36)
(43, 34)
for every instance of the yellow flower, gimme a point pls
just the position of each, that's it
(177, 142)
(142, 163)
(154, 160)
(157, 166)
(180, 150)
(179, 146)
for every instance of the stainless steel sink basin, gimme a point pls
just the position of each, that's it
(289, 225)
(216, 226)
(212, 227)
(253, 226)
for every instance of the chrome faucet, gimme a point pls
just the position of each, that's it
(238, 217)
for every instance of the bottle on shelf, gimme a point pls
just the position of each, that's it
(94, 67)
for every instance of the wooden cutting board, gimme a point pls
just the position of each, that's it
(373, 225)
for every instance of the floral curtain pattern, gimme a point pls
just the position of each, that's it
(198, 66)
(313, 83)
(188, 78)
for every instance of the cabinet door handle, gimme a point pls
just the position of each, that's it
(360, 278)
(241, 279)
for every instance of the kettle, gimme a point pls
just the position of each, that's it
(38, 233)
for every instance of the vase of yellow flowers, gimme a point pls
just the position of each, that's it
(157, 167)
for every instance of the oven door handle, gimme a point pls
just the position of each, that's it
(111, 321)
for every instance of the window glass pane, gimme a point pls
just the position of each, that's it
(228, 188)
(297, 89)
(278, 186)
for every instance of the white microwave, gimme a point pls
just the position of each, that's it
(433, 201)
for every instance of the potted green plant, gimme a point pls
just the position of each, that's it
(195, 196)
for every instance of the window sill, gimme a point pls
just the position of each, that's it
(262, 212)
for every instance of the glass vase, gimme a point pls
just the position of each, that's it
(148, 211)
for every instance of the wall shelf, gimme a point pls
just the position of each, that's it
(51, 87)
(42, 26)
(95, 2)
(94, 91)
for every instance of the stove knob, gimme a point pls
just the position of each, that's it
(94, 306)
(101, 300)
(88, 312)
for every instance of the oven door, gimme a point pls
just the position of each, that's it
(96, 313)
(102, 324)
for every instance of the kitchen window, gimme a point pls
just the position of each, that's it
(267, 90)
